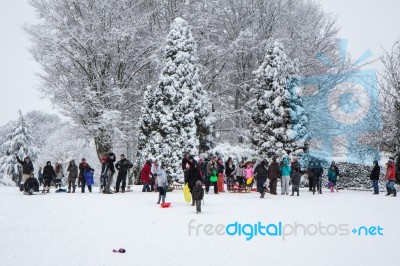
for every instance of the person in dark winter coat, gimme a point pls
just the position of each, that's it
(317, 172)
(193, 174)
(84, 166)
(261, 174)
(374, 176)
(310, 176)
(27, 167)
(295, 176)
(48, 174)
(229, 170)
(390, 177)
(123, 165)
(203, 168)
(73, 174)
(145, 176)
(185, 166)
(333, 164)
(40, 176)
(198, 195)
(110, 171)
(274, 172)
(31, 185)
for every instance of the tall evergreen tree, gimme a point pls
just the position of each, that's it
(280, 120)
(175, 114)
(19, 143)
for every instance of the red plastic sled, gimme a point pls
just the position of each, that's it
(165, 204)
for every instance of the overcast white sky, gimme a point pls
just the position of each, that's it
(365, 23)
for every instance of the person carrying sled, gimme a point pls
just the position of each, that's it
(249, 176)
(73, 174)
(185, 166)
(390, 177)
(162, 183)
(193, 175)
(84, 166)
(123, 166)
(48, 174)
(198, 195)
(27, 167)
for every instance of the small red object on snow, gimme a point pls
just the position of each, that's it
(165, 204)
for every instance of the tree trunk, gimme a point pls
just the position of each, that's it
(103, 145)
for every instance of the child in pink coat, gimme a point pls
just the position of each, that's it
(249, 176)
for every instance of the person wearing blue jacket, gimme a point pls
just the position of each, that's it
(285, 170)
(332, 177)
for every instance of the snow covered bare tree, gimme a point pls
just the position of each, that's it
(94, 59)
(19, 143)
(175, 115)
(280, 120)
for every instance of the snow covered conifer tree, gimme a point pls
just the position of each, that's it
(280, 120)
(19, 142)
(175, 115)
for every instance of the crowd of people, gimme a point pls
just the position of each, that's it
(77, 175)
(263, 174)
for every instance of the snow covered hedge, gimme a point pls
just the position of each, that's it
(352, 176)
(6, 180)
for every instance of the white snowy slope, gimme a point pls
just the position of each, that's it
(83, 229)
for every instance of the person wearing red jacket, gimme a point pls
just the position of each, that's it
(390, 177)
(145, 176)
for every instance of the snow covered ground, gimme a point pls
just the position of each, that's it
(83, 229)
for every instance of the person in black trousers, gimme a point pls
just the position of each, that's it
(122, 166)
(261, 173)
(317, 172)
(374, 176)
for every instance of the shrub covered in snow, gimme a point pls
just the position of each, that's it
(236, 152)
(352, 176)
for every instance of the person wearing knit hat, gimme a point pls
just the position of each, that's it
(198, 195)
